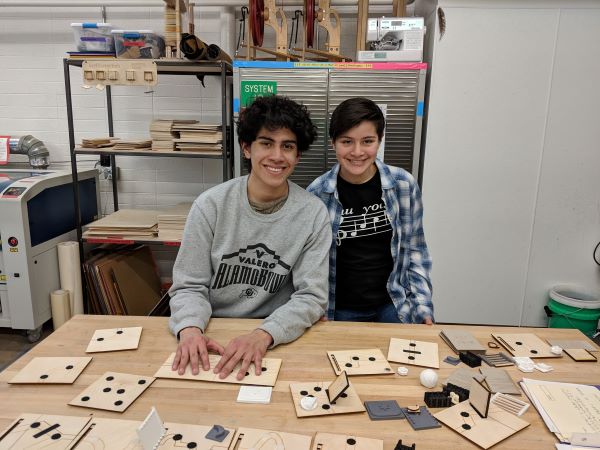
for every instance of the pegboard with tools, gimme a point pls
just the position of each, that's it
(126, 72)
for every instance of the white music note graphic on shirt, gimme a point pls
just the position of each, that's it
(360, 225)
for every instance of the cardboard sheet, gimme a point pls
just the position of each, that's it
(487, 432)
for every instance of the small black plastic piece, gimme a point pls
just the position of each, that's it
(470, 359)
(437, 400)
(401, 446)
(463, 394)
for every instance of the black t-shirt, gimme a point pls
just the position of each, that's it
(364, 258)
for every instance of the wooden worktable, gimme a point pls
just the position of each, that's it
(303, 360)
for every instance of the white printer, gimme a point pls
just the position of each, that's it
(37, 211)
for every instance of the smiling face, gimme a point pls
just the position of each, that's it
(356, 150)
(273, 155)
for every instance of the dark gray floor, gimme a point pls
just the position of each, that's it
(14, 344)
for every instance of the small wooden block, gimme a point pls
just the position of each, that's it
(328, 441)
(268, 377)
(417, 353)
(51, 370)
(485, 433)
(113, 391)
(254, 439)
(359, 362)
(44, 431)
(349, 402)
(111, 433)
(525, 344)
(114, 339)
(580, 354)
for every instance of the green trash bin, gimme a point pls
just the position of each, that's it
(569, 307)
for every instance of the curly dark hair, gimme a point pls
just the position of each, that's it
(352, 112)
(275, 112)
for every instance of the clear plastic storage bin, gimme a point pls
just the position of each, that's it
(93, 37)
(137, 44)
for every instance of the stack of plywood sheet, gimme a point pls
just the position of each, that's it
(199, 138)
(125, 224)
(172, 221)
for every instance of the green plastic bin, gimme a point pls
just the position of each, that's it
(569, 307)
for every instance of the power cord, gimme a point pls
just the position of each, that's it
(594, 254)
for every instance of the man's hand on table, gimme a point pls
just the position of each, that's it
(428, 321)
(248, 348)
(193, 348)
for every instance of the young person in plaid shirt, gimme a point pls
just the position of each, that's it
(379, 265)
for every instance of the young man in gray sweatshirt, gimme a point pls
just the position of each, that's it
(253, 247)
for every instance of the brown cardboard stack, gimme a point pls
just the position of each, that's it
(122, 280)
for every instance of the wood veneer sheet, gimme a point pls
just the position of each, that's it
(268, 376)
(499, 380)
(254, 439)
(359, 362)
(51, 370)
(127, 219)
(328, 441)
(114, 339)
(413, 352)
(524, 344)
(113, 391)
(349, 401)
(111, 434)
(484, 432)
(37, 431)
(461, 341)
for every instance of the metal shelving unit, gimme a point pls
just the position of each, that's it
(220, 69)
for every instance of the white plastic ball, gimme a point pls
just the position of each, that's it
(428, 378)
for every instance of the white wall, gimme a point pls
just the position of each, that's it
(567, 215)
(511, 185)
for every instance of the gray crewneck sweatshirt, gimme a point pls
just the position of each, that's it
(235, 262)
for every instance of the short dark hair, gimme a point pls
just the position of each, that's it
(352, 112)
(275, 112)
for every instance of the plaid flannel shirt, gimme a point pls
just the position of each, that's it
(409, 284)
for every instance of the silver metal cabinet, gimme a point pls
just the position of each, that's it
(323, 86)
